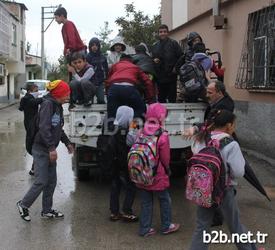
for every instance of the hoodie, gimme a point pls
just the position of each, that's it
(155, 117)
(124, 117)
(114, 57)
(50, 125)
(98, 61)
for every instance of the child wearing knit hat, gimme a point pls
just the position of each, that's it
(49, 133)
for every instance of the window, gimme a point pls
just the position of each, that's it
(14, 35)
(257, 64)
(22, 51)
(29, 75)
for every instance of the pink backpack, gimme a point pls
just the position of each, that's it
(206, 175)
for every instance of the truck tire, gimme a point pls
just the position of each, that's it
(82, 174)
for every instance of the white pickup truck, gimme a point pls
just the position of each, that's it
(86, 124)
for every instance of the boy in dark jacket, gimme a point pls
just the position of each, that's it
(29, 105)
(100, 65)
(120, 176)
(50, 133)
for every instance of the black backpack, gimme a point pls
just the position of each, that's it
(193, 80)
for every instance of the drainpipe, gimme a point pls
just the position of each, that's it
(216, 7)
(217, 19)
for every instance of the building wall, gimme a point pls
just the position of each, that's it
(255, 110)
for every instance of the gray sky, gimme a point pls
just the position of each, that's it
(88, 17)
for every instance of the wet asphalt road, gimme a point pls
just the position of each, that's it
(85, 205)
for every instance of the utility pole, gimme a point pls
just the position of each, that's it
(45, 15)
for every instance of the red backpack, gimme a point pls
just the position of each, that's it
(206, 174)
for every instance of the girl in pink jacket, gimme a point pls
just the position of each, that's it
(155, 116)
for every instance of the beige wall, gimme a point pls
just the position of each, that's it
(166, 12)
(228, 41)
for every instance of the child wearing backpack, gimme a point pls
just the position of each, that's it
(29, 105)
(120, 175)
(153, 143)
(217, 134)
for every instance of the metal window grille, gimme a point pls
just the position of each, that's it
(257, 65)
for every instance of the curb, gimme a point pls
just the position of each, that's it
(9, 105)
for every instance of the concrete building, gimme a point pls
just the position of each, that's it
(244, 32)
(12, 48)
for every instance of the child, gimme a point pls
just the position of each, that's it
(117, 49)
(29, 104)
(100, 65)
(221, 124)
(155, 117)
(83, 90)
(71, 38)
(47, 138)
(120, 176)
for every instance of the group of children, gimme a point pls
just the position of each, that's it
(88, 81)
(219, 125)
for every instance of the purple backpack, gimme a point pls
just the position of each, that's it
(206, 175)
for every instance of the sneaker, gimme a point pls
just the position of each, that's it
(53, 214)
(151, 232)
(88, 104)
(172, 228)
(24, 212)
(31, 172)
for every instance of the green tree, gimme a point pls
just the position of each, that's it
(103, 35)
(58, 70)
(136, 27)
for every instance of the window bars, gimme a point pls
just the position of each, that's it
(257, 65)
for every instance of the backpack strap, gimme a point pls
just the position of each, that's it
(225, 141)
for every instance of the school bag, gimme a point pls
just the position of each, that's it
(193, 80)
(143, 158)
(206, 175)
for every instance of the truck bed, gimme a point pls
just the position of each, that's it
(86, 123)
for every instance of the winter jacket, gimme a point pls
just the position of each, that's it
(226, 103)
(232, 157)
(98, 61)
(124, 117)
(155, 117)
(114, 57)
(126, 71)
(50, 125)
(145, 63)
(168, 52)
(71, 38)
(29, 105)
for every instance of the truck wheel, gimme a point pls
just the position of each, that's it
(82, 174)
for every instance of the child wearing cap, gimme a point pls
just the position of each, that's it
(49, 133)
